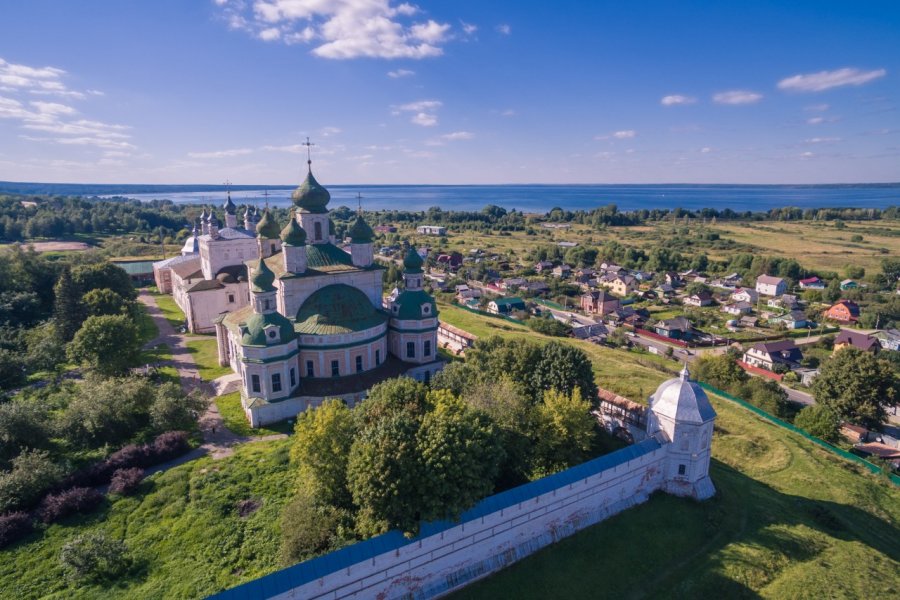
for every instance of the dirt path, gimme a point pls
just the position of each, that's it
(218, 440)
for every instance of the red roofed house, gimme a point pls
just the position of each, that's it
(845, 311)
(599, 302)
(812, 283)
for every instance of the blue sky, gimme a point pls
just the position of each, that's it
(462, 92)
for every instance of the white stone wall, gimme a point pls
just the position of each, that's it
(293, 292)
(215, 254)
(448, 560)
(203, 308)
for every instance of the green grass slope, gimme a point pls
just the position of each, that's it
(790, 521)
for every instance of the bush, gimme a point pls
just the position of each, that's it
(820, 421)
(13, 527)
(169, 445)
(306, 529)
(94, 556)
(125, 481)
(173, 409)
(32, 474)
(22, 425)
(73, 500)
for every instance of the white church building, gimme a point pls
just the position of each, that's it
(313, 324)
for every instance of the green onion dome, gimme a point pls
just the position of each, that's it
(293, 234)
(310, 196)
(413, 262)
(267, 227)
(360, 232)
(229, 206)
(262, 278)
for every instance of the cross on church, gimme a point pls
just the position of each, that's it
(227, 185)
(359, 202)
(266, 194)
(308, 145)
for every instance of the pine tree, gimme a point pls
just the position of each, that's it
(67, 309)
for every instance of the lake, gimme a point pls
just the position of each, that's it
(541, 198)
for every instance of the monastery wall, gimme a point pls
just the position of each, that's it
(498, 531)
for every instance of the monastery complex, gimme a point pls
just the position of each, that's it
(299, 318)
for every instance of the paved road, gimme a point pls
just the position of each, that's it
(218, 440)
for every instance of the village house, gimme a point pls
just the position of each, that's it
(785, 301)
(584, 275)
(543, 266)
(856, 339)
(745, 295)
(385, 229)
(849, 284)
(856, 434)
(535, 287)
(812, 283)
(454, 338)
(561, 271)
(505, 306)
(701, 298)
(513, 283)
(599, 303)
(431, 230)
(738, 308)
(770, 286)
(795, 319)
(767, 355)
(451, 261)
(678, 328)
(621, 285)
(844, 311)
(889, 339)
(748, 321)
(672, 279)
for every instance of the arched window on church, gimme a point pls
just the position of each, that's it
(318, 231)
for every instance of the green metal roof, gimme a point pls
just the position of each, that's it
(513, 301)
(413, 262)
(262, 278)
(337, 309)
(410, 303)
(360, 232)
(293, 234)
(267, 227)
(327, 255)
(254, 328)
(310, 196)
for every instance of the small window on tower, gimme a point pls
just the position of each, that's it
(293, 377)
(231, 298)
(318, 231)
(359, 366)
(426, 309)
(410, 349)
(254, 383)
(377, 357)
(335, 368)
(310, 371)
(426, 348)
(266, 304)
(682, 469)
(276, 382)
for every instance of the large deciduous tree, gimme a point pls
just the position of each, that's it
(104, 275)
(857, 386)
(565, 431)
(109, 344)
(320, 451)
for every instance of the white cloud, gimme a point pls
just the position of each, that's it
(820, 120)
(221, 153)
(458, 135)
(807, 155)
(329, 131)
(503, 29)
(825, 80)
(508, 113)
(677, 99)
(291, 149)
(823, 140)
(817, 108)
(340, 29)
(421, 105)
(399, 73)
(52, 108)
(424, 119)
(625, 134)
(468, 28)
(705, 150)
(736, 97)
(35, 80)
(270, 34)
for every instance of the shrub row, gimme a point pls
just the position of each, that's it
(123, 470)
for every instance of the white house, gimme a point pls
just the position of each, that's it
(770, 286)
(431, 230)
(745, 295)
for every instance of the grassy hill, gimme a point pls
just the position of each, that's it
(790, 521)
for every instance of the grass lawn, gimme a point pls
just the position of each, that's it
(160, 354)
(170, 310)
(233, 414)
(146, 327)
(205, 353)
(790, 521)
(182, 528)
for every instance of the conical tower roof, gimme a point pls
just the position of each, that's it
(267, 227)
(413, 262)
(360, 232)
(229, 206)
(293, 234)
(310, 196)
(262, 278)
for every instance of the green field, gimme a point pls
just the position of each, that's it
(170, 310)
(205, 354)
(183, 530)
(790, 521)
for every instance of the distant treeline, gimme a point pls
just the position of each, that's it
(41, 216)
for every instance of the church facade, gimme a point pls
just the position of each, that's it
(315, 325)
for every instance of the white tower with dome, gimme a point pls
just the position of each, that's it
(680, 413)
